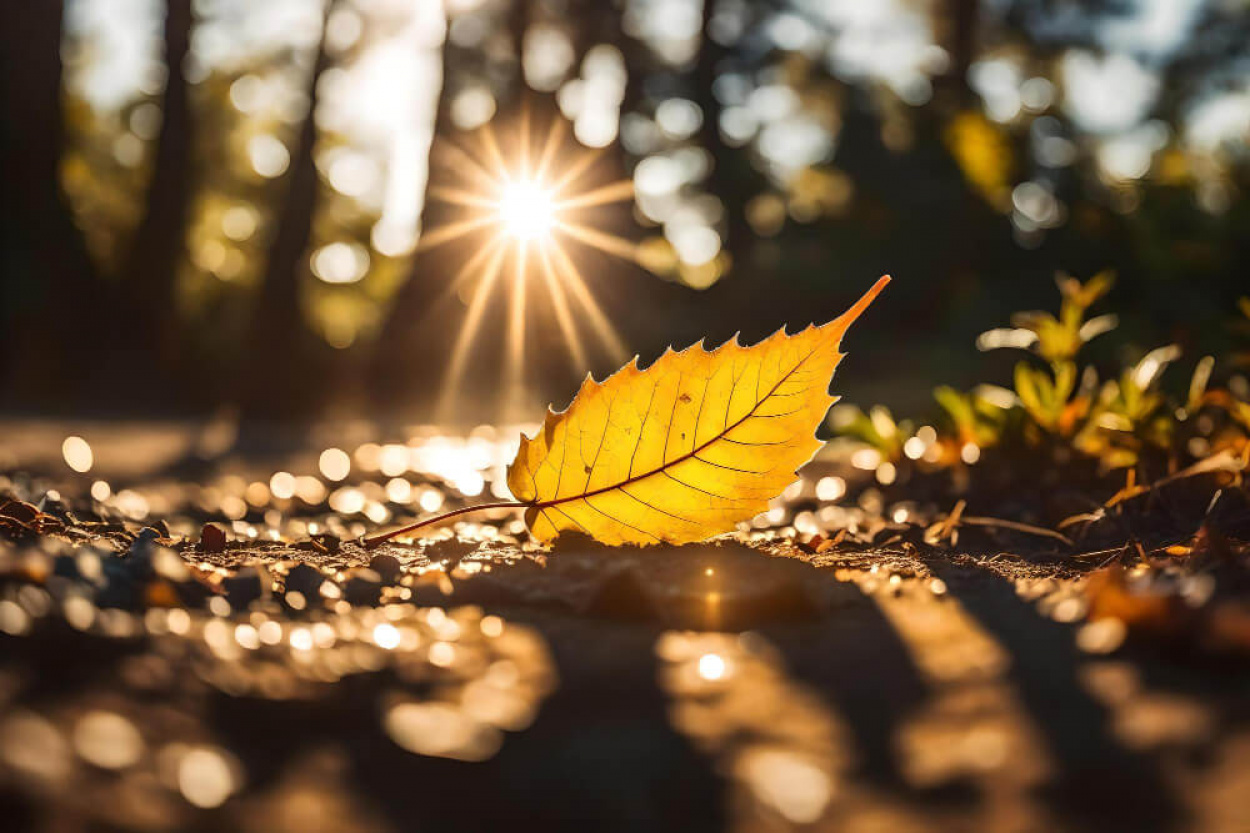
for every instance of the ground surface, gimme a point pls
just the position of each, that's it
(158, 676)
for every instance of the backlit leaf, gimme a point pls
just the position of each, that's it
(686, 448)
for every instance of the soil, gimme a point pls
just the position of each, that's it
(157, 675)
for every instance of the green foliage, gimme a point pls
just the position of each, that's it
(1058, 339)
(1053, 402)
(1059, 406)
(1045, 395)
(979, 417)
(876, 428)
(1130, 414)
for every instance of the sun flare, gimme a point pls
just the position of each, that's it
(533, 210)
(527, 210)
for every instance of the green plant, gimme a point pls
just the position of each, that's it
(1061, 408)
(1057, 396)
(1131, 413)
(876, 428)
(980, 416)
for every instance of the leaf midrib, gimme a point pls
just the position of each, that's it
(557, 501)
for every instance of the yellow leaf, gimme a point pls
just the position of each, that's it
(686, 448)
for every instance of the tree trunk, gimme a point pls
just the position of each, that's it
(284, 358)
(49, 296)
(150, 325)
(734, 179)
(398, 360)
(961, 42)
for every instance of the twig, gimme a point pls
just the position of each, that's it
(1017, 527)
(1224, 461)
(946, 527)
(1123, 547)
(1084, 518)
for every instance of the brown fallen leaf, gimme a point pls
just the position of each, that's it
(818, 544)
(1110, 597)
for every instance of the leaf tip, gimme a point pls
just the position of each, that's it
(871, 295)
(857, 309)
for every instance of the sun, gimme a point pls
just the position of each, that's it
(527, 210)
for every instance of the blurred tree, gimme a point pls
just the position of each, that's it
(147, 334)
(488, 64)
(290, 380)
(51, 305)
(778, 148)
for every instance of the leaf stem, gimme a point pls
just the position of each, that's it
(375, 540)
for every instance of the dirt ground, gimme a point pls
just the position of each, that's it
(155, 675)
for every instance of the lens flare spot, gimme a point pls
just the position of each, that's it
(712, 667)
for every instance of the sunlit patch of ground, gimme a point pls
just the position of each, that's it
(267, 672)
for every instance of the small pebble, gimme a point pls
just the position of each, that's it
(327, 543)
(388, 567)
(304, 579)
(212, 538)
(242, 588)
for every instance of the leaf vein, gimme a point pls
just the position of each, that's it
(729, 468)
(586, 500)
(653, 507)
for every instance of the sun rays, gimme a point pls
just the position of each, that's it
(530, 211)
